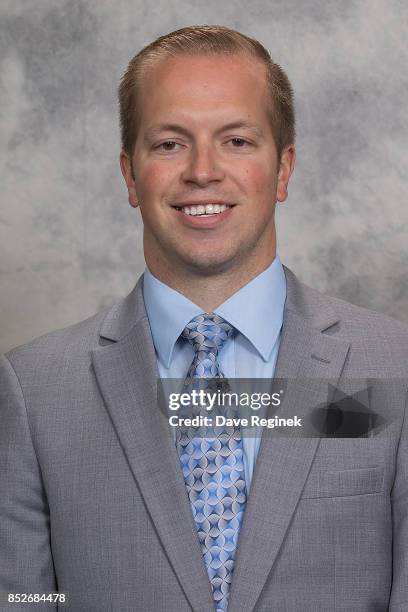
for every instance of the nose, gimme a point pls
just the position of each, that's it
(203, 166)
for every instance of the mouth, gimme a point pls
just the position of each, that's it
(203, 210)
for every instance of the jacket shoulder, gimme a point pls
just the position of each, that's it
(59, 349)
(377, 343)
(320, 308)
(357, 319)
(84, 332)
(68, 350)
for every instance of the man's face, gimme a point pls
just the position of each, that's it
(205, 145)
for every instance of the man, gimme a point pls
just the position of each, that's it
(103, 503)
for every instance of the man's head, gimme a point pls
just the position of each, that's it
(212, 41)
(207, 118)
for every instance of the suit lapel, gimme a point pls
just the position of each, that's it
(306, 357)
(127, 376)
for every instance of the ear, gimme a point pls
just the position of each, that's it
(126, 167)
(286, 167)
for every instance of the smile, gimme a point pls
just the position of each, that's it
(203, 210)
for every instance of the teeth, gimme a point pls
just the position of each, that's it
(208, 209)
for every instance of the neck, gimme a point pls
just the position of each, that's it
(210, 290)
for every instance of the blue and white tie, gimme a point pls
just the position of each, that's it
(212, 466)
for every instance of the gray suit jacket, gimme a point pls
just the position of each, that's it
(93, 502)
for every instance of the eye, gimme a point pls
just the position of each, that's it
(239, 143)
(167, 146)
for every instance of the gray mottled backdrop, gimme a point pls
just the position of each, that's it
(69, 242)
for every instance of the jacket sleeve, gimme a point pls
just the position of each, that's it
(399, 499)
(26, 564)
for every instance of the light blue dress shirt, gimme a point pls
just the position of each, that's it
(256, 311)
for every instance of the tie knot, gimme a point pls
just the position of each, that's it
(207, 333)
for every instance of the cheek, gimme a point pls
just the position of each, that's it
(154, 180)
(259, 178)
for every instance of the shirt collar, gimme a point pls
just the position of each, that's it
(168, 312)
(256, 311)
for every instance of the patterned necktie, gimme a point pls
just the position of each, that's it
(213, 467)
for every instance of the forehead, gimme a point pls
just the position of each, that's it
(207, 87)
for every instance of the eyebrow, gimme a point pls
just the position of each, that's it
(155, 130)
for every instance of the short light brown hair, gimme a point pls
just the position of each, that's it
(206, 40)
